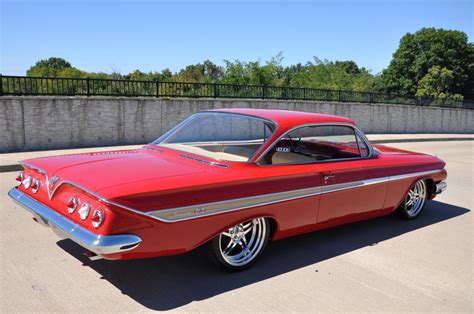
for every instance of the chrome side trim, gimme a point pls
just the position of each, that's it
(64, 227)
(354, 184)
(409, 175)
(203, 210)
(207, 209)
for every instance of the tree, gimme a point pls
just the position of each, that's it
(48, 67)
(421, 51)
(206, 72)
(437, 83)
(236, 72)
(349, 67)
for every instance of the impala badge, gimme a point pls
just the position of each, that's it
(54, 180)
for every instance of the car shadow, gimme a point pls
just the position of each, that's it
(170, 282)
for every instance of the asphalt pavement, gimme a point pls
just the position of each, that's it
(380, 265)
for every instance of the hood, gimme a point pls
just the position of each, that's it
(99, 171)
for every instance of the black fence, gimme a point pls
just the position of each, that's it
(39, 86)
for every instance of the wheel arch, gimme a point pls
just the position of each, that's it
(429, 187)
(272, 221)
(273, 226)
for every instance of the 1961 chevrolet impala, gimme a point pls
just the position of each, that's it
(230, 178)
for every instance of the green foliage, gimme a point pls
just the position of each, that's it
(339, 75)
(437, 83)
(54, 63)
(207, 72)
(431, 62)
(50, 67)
(421, 51)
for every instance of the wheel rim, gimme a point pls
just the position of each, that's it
(416, 198)
(242, 243)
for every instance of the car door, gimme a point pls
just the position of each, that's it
(340, 160)
(353, 180)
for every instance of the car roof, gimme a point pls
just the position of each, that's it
(287, 119)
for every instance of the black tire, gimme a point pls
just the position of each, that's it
(242, 245)
(414, 202)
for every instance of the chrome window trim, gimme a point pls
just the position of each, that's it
(356, 130)
(225, 142)
(180, 125)
(214, 208)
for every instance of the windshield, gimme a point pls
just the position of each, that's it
(217, 135)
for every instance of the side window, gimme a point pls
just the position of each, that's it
(316, 143)
(364, 150)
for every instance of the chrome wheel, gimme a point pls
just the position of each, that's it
(241, 244)
(416, 198)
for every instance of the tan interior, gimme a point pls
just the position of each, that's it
(290, 158)
(206, 153)
(240, 151)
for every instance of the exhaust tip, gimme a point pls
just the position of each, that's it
(92, 256)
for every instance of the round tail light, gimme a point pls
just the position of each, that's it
(27, 182)
(72, 205)
(97, 218)
(20, 177)
(84, 211)
(35, 185)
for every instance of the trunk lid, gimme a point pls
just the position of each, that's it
(99, 171)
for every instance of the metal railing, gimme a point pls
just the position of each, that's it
(39, 86)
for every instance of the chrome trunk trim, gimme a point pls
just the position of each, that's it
(212, 163)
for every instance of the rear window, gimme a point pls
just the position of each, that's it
(217, 135)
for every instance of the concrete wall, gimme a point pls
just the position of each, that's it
(40, 123)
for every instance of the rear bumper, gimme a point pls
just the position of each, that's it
(441, 187)
(65, 228)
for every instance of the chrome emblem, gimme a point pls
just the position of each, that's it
(54, 180)
(199, 210)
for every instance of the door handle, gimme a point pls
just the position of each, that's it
(329, 176)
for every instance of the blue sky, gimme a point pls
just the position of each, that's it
(153, 35)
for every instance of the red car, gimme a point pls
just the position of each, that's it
(230, 178)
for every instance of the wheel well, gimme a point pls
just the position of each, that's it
(429, 183)
(273, 226)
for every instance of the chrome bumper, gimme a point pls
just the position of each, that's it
(440, 187)
(65, 228)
